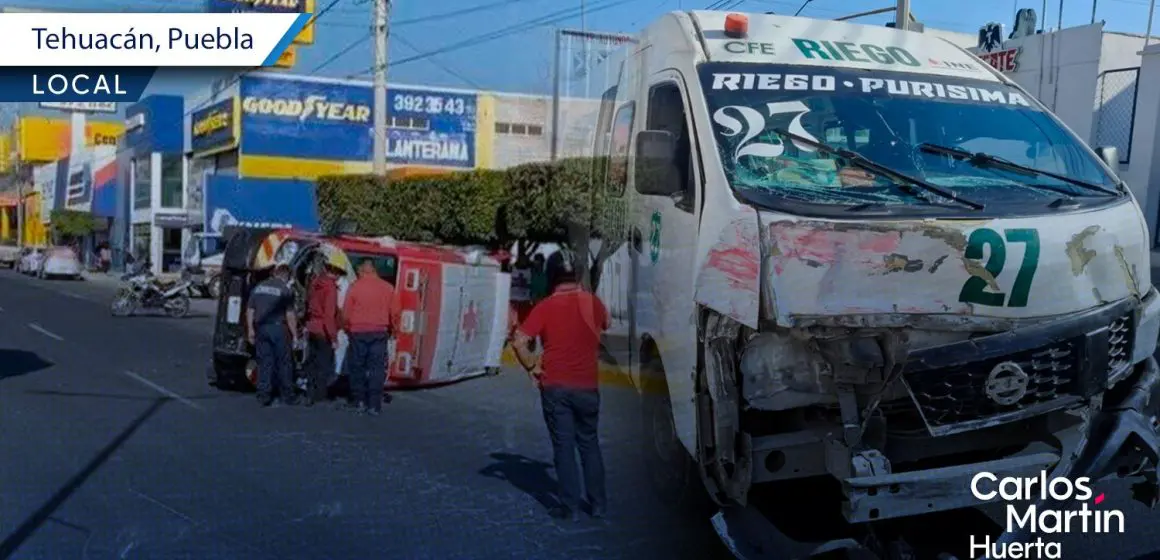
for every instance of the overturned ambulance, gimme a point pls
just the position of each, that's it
(452, 303)
(859, 254)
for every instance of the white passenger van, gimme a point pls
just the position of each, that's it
(860, 253)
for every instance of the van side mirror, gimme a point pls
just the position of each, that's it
(655, 171)
(1111, 157)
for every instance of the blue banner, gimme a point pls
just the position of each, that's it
(213, 128)
(258, 203)
(306, 119)
(73, 84)
(431, 128)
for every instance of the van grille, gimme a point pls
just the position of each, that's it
(959, 394)
(1121, 337)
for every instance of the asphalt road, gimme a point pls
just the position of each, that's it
(112, 445)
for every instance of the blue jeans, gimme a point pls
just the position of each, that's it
(275, 363)
(368, 368)
(571, 416)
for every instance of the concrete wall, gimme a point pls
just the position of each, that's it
(529, 140)
(1143, 172)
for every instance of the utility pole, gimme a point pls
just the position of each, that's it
(902, 15)
(382, 35)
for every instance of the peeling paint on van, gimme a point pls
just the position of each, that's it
(730, 279)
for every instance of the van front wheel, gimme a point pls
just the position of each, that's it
(671, 470)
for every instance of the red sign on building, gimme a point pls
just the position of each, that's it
(1006, 60)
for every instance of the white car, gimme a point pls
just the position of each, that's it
(30, 260)
(60, 262)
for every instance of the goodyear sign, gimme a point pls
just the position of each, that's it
(305, 37)
(214, 128)
(306, 119)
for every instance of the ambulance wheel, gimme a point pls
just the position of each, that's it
(671, 470)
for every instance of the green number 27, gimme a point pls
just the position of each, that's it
(975, 290)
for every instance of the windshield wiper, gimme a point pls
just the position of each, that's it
(860, 161)
(981, 159)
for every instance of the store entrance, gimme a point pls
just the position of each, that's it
(171, 249)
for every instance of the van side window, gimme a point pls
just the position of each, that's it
(619, 142)
(666, 111)
(604, 122)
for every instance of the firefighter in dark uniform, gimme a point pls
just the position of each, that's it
(272, 329)
(569, 323)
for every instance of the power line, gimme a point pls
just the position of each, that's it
(441, 65)
(333, 58)
(548, 19)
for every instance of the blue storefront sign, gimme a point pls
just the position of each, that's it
(431, 128)
(306, 119)
(214, 128)
(259, 203)
(262, 6)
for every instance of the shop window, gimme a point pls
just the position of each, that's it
(503, 128)
(172, 180)
(142, 183)
(141, 239)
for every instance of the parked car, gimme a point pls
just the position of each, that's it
(30, 260)
(9, 255)
(60, 262)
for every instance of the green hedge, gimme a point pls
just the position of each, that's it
(540, 202)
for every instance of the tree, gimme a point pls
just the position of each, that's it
(70, 225)
(563, 202)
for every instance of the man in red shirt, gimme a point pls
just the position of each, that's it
(569, 323)
(369, 309)
(322, 324)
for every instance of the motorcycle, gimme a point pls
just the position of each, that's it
(144, 291)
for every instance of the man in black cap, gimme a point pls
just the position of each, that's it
(272, 328)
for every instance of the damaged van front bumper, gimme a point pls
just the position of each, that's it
(1084, 366)
(1111, 402)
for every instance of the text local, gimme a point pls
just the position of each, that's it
(80, 84)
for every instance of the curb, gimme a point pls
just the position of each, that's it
(610, 375)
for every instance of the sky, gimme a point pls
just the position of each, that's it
(519, 56)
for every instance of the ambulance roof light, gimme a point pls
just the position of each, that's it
(736, 25)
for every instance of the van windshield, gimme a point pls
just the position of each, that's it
(892, 119)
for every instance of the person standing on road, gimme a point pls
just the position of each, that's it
(369, 310)
(569, 323)
(322, 321)
(272, 329)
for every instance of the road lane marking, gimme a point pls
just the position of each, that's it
(163, 390)
(45, 331)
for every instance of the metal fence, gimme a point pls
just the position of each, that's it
(1115, 107)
